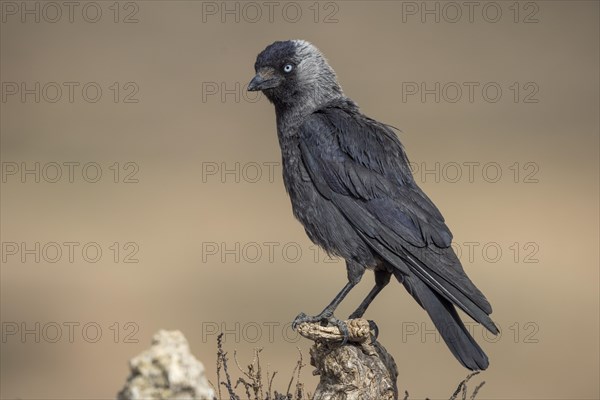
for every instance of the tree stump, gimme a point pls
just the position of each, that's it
(361, 369)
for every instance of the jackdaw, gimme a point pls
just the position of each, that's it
(352, 189)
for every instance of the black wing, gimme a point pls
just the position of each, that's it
(360, 166)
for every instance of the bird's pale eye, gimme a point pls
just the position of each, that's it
(287, 68)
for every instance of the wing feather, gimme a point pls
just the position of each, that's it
(360, 166)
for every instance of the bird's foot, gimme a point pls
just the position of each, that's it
(325, 319)
(375, 330)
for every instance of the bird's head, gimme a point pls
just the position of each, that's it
(294, 72)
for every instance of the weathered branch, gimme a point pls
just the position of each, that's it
(358, 370)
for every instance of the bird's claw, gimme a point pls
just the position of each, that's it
(375, 330)
(341, 325)
(300, 318)
(326, 319)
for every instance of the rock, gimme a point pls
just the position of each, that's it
(167, 370)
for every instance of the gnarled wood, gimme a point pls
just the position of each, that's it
(358, 370)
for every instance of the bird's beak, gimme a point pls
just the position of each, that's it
(263, 80)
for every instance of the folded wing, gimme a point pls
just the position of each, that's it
(360, 166)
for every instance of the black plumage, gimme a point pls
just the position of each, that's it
(351, 187)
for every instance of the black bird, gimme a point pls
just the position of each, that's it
(352, 189)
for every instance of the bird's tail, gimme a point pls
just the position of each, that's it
(448, 323)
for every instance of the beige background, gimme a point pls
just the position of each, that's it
(548, 310)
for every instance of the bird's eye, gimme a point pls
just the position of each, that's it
(287, 68)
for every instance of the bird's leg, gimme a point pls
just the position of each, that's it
(355, 273)
(327, 313)
(382, 278)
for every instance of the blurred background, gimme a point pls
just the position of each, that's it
(142, 190)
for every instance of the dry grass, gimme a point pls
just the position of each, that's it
(259, 386)
(256, 385)
(461, 389)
